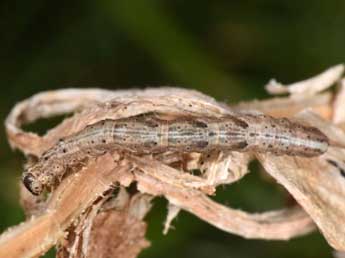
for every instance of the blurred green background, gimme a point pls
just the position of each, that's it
(227, 49)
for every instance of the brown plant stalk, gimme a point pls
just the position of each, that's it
(82, 212)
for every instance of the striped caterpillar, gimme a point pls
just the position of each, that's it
(149, 134)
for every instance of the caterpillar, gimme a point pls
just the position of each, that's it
(150, 134)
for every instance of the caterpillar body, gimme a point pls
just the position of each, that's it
(149, 133)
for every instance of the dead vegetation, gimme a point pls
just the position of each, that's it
(83, 215)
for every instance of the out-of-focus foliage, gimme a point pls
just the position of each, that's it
(227, 49)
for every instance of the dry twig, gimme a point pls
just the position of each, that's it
(80, 224)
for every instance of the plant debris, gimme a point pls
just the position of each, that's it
(84, 218)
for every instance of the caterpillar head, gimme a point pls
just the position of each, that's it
(41, 175)
(32, 184)
(31, 179)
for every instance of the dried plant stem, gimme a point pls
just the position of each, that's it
(68, 202)
(81, 201)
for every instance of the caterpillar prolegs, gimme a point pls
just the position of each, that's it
(149, 134)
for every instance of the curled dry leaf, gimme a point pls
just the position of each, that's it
(310, 86)
(321, 104)
(282, 224)
(173, 211)
(82, 224)
(109, 105)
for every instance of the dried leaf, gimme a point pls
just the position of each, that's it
(173, 211)
(93, 220)
(310, 86)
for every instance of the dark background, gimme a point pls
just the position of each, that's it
(227, 49)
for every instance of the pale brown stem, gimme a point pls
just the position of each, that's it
(73, 196)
